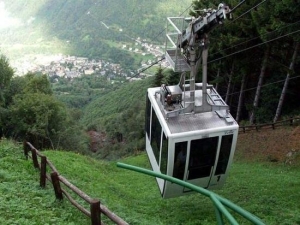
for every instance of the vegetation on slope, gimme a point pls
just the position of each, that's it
(268, 190)
(22, 201)
(120, 114)
(29, 111)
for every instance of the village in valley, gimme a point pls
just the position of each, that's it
(66, 66)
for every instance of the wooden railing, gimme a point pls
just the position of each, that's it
(96, 209)
(256, 127)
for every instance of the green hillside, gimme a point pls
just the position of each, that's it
(116, 102)
(251, 81)
(90, 28)
(269, 191)
(120, 114)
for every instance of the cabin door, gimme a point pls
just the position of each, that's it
(201, 161)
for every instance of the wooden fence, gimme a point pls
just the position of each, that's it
(96, 209)
(257, 127)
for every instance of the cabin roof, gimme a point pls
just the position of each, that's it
(193, 121)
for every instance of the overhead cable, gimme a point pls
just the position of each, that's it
(275, 82)
(163, 30)
(249, 10)
(148, 67)
(234, 53)
(263, 35)
(156, 38)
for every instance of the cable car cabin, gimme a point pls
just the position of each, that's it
(190, 133)
(187, 138)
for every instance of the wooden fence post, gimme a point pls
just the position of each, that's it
(291, 121)
(43, 171)
(273, 126)
(25, 148)
(95, 212)
(34, 158)
(56, 186)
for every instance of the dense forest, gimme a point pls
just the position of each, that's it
(30, 111)
(253, 62)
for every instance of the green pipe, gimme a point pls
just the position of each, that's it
(218, 216)
(241, 211)
(207, 193)
(221, 208)
(165, 177)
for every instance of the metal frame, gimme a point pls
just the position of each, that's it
(173, 53)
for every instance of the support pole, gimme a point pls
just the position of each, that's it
(206, 107)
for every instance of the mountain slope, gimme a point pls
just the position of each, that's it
(83, 27)
(120, 114)
(268, 190)
(128, 95)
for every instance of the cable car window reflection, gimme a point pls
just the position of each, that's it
(164, 155)
(202, 157)
(180, 159)
(224, 154)
(155, 136)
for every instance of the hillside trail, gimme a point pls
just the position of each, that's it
(279, 145)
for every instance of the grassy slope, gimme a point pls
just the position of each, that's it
(22, 201)
(270, 191)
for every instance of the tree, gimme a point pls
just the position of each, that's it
(32, 113)
(171, 77)
(284, 10)
(286, 83)
(229, 84)
(241, 97)
(37, 84)
(36, 117)
(6, 73)
(159, 78)
(16, 86)
(259, 84)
